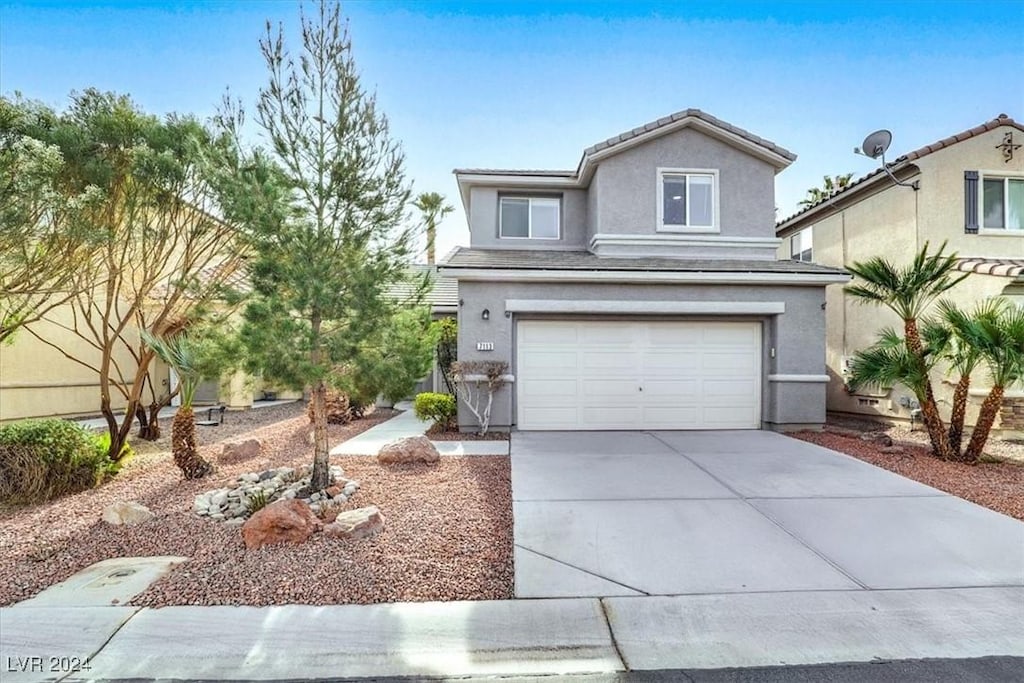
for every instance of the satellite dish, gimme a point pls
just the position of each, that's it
(876, 144)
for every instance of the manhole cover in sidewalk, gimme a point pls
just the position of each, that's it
(110, 582)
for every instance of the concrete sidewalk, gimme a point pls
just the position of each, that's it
(508, 638)
(169, 411)
(407, 424)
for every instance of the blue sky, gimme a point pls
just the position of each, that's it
(530, 84)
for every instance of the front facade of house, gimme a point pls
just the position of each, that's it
(971, 195)
(642, 290)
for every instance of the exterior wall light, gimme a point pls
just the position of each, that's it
(486, 314)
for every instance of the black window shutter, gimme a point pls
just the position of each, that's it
(971, 202)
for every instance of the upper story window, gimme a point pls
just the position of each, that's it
(801, 245)
(530, 217)
(687, 200)
(1002, 203)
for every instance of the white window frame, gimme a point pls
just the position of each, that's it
(529, 216)
(714, 227)
(795, 240)
(996, 175)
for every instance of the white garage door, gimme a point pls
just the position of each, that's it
(638, 375)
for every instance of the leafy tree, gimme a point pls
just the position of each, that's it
(324, 210)
(45, 234)
(830, 186)
(194, 356)
(163, 258)
(433, 208)
(908, 291)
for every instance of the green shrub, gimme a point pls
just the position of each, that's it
(45, 459)
(440, 408)
(101, 442)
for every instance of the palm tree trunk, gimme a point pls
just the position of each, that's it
(956, 420)
(929, 409)
(986, 418)
(183, 445)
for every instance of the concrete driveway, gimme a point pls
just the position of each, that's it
(602, 514)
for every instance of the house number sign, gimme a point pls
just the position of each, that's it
(485, 346)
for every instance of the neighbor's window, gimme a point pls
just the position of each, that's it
(1002, 202)
(686, 200)
(800, 245)
(530, 217)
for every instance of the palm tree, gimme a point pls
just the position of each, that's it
(946, 334)
(888, 361)
(908, 291)
(434, 209)
(182, 354)
(830, 186)
(998, 336)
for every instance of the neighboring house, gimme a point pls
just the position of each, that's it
(971, 195)
(642, 290)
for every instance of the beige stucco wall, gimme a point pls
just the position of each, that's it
(37, 380)
(895, 222)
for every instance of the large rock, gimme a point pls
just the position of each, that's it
(286, 521)
(127, 514)
(242, 450)
(408, 449)
(356, 524)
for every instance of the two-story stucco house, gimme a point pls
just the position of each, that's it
(971, 195)
(642, 290)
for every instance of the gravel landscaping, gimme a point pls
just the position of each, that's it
(996, 485)
(447, 532)
(437, 433)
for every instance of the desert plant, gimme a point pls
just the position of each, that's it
(256, 501)
(336, 405)
(184, 354)
(45, 459)
(441, 409)
(908, 291)
(476, 382)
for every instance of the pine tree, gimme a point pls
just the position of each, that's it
(324, 210)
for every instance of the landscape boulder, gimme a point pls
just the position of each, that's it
(127, 514)
(286, 521)
(355, 524)
(408, 449)
(879, 438)
(239, 451)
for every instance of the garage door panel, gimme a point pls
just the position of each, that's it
(589, 375)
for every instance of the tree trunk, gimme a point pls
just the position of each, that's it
(956, 420)
(183, 445)
(431, 238)
(321, 474)
(986, 418)
(929, 409)
(149, 423)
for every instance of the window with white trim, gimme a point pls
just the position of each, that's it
(686, 200)
(801, 245)
(1002, 203)
(529, 218)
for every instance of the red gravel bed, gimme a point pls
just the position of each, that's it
(998, 486)
(438, 434)
(447, 536)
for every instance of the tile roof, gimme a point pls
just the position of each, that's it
(1003, 267)
(444, 294)
(689, 113)
(514, 259)
(634, 133)
(1001, 120)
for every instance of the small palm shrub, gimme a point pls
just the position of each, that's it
(439, 408)
(45, 459)
(256, 502)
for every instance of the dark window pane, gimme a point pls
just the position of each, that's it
(515, 217)
(674, 200)
(993, 207)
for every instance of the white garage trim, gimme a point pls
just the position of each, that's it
(798, 378)
(630, 374)
(646, 307)
(641, 276)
